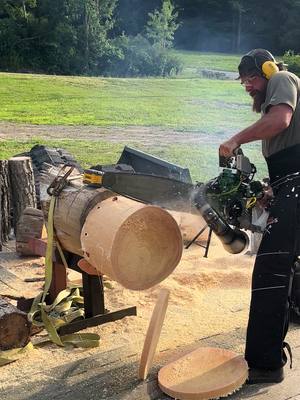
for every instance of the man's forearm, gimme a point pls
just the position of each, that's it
(269, 125)
(265, 128)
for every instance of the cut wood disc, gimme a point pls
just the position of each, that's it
(205, 373)
(153, 333)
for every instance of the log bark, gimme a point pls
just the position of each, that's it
(5, 204)
(22, 186)
(72, 208)
(30, 226)
(14, 326)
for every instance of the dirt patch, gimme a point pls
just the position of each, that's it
(129, 134)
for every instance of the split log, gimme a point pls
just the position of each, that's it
(22, 186)
(29, 226)
(14, 326)
(5, 225)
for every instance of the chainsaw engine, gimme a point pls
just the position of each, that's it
(234, 193)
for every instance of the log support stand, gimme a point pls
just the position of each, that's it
(93, 291)
(206, 246)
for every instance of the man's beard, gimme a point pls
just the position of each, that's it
(258, 99)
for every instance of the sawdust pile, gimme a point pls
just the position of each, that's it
(207, 297)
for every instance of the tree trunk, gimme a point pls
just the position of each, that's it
(22, 186)
(4, 203)
(86, 33)
(14, 326)
(239, 29)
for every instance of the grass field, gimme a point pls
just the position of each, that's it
(194, 61)
(211, 108)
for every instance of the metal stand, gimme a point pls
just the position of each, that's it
(206, 247)
(93, 291)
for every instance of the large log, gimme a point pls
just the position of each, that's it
(135, 244)
(14, 326)
(22, 186)
(5, 223)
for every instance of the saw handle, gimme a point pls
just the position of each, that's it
(224, 161)
(238, 152)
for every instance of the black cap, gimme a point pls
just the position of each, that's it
(251, 63)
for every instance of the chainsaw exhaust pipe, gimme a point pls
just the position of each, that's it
(233, 240)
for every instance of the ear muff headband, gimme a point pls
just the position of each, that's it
(269, 68)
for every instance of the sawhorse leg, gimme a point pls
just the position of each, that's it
(207, 242)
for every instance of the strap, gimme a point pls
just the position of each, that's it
(68, 304)
(12, 355)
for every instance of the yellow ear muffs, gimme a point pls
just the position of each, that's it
(269, 68)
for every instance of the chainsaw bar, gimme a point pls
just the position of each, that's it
(152, 189)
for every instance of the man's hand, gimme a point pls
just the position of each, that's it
(227, 148)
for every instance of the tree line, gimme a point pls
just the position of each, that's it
(131, 37)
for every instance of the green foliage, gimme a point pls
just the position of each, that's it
(141, 56)
(16, 23)
(132, 16)
(238, 25)
(81, 37)
(293, 61)
(137, 57)
(162, 25)
(57, 36)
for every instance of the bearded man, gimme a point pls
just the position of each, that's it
(275, 93)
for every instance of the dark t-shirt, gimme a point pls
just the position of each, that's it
(283, 88)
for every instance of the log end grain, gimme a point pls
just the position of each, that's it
(134, 244)
(14, 327)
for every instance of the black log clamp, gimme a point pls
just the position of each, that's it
(60, 181)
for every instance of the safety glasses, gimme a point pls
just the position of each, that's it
(248, 81)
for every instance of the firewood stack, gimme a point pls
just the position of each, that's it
(20, 190)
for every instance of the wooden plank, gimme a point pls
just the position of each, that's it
(8, 277)
(10, 284)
